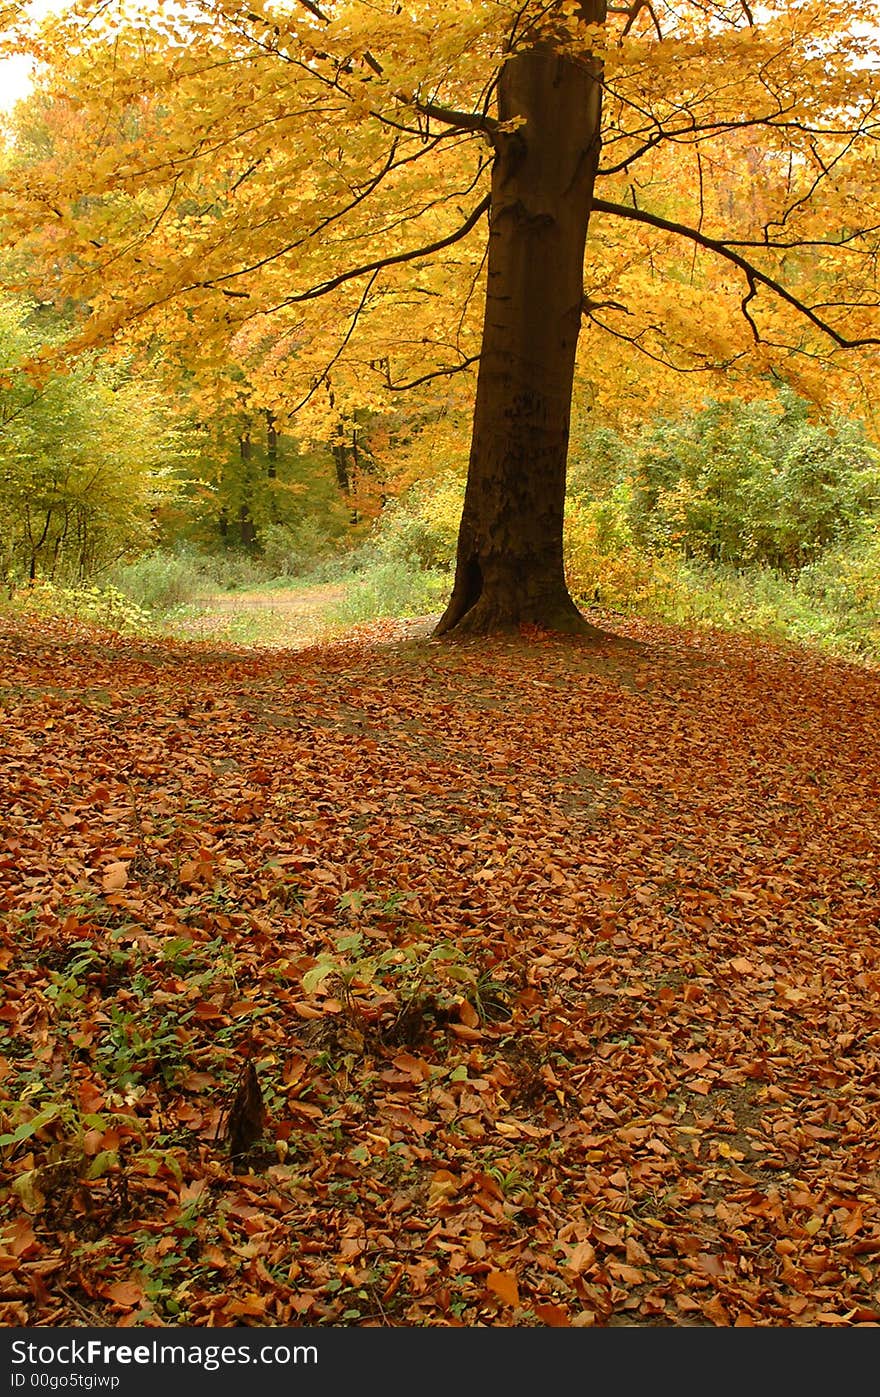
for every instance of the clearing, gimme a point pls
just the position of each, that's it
(288, 617)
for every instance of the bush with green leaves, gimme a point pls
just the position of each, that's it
(289, 550)
(85, 458)
(752, 484)
(843, 586)
(422, 526)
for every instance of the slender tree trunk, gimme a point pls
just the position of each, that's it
(271, 446)
(340, 459)
(509, 568)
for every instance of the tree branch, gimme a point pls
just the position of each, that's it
(325, 375)
(753, 274)
(463, 121)
(437, 373)
(412, 255)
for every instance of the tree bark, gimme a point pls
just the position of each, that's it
(509, 566)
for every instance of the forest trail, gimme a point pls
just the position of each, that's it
(289, 617)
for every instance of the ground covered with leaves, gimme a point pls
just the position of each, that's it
(408, 983)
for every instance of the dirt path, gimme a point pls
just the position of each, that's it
(292, 617)
(308, 602)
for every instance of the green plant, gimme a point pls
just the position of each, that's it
(389, 986)
(161, 581)
(137, 1045)
(50, 1128)
(84, 460)
(392, 588)
(422, 526)
(752, 484)
(103, 604)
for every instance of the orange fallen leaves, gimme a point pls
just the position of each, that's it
(115, 876)
(650, 1097)
(504, 1284)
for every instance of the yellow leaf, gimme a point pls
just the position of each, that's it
(31, 1195)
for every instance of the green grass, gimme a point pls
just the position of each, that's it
(391, 589)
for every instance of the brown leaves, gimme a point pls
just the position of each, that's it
(504, 1284)
(115, 876)
(646, 1101)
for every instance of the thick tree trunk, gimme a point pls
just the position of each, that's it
(509, 568)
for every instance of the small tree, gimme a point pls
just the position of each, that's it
(84, 461)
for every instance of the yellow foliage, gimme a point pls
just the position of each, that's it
(610, 571)
(286, 204)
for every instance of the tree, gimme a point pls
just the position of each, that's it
(308, 185)
(85, 460)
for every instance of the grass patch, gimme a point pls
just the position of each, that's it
(391, 588)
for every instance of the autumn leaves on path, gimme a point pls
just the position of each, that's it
(558, 969)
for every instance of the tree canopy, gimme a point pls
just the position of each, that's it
(302, 193)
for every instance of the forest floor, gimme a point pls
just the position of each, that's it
(598, 1038)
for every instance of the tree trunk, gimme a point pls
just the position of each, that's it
(340, 459)
(509, 567)
(271, 446)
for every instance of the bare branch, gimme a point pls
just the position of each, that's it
(588, 306)
(632, 12)
(744, 307)
(325, 374)
(437, 373)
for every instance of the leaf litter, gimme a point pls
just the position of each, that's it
(397, 983)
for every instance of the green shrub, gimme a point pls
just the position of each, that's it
(423, 525)
(289, 550)
(391, 588)
(231, 571)
(843, 586)
(754, 484)
(602, 563)
(161, 581)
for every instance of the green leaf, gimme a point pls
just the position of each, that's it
(314, 978)
(29, 1128)
(103, 1162)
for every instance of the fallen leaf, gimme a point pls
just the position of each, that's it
(504, 1285)
(115, 876)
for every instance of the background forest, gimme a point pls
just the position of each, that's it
(118, 503)
(142, 475)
